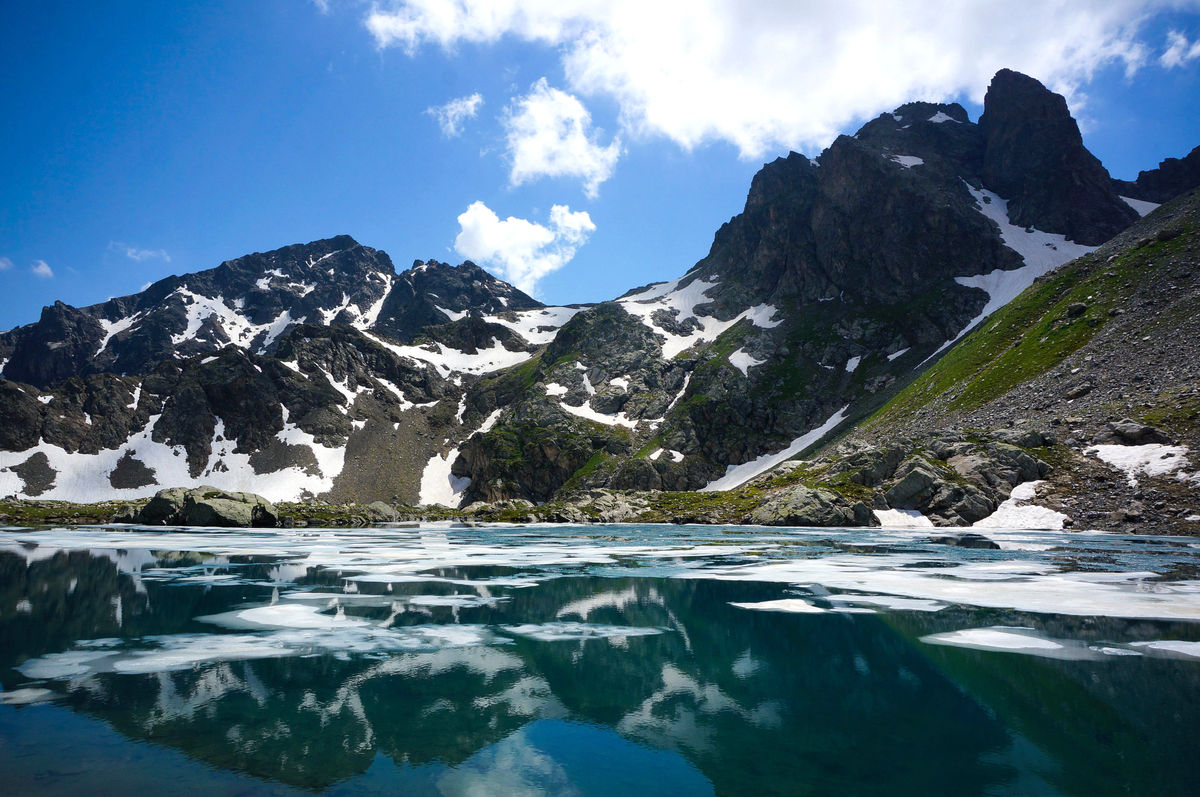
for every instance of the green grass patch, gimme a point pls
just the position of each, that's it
(1030, 335)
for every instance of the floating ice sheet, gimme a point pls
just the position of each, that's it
(167, 653)
(568, 631)
(1015, 640)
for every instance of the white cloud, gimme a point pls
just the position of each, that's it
(549, 134)
(5, 264)
(42, 269)
(1179, 50)
(785, 74)
(138, 255)
(451, 115)
(521, 251)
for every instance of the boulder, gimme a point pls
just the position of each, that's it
(379, 512)
(207, 506)
(916, 481)
(807, 506)
(1131, 433)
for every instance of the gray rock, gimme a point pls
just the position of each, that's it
(379, 512)
(916, 482)
(806, 506)
(1131, 433)
(208, 506)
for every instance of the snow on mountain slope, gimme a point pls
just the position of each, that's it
(1041, 251)
(683, 305)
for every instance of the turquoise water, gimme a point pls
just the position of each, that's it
(596, 660)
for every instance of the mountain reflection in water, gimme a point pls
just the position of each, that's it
(571, 677)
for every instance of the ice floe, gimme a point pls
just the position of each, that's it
(1016, 640)
(166, 653)
(574, 632)
(26, 696)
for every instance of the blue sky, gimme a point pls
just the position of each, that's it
(143, 139)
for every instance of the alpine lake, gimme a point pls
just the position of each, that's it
(596, 660)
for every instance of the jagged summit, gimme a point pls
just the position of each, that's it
(1034, 157)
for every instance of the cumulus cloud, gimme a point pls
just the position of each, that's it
(519, 250)
(768, 75)
(5, 264)
(1179, 50)
(549, 134)
(137, 254)
(451, 116)
(42, 269)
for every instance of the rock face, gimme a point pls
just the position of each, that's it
(1174, 176)
(317, 370)
(205, 506)
(1034, 157)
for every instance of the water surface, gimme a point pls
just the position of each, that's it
(596, 660)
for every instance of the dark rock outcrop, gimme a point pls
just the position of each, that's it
(1034, 157)
(1172, 178)
(204, 506)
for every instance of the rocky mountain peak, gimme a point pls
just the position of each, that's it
(1034, 157)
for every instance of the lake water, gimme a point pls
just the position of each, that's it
(596, 660)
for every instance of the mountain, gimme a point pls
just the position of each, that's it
(318, 370)
(1102, 357)
(841, 279)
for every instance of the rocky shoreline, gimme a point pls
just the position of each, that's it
(1014, 477)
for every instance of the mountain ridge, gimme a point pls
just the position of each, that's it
(318, 370)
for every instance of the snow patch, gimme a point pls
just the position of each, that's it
(1151, 459)
(1017, 513)
(1041, 251)
(585, 411)
(450, 361)
(852, 364)
(907, 161)
(902, 519)
(438, 484)
(1142, 207)
(84, 478)
(737, 475)
(537, 327)
(452, 315)
(114, 328)
(940, 117)
(743, 361)
(683, 303)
